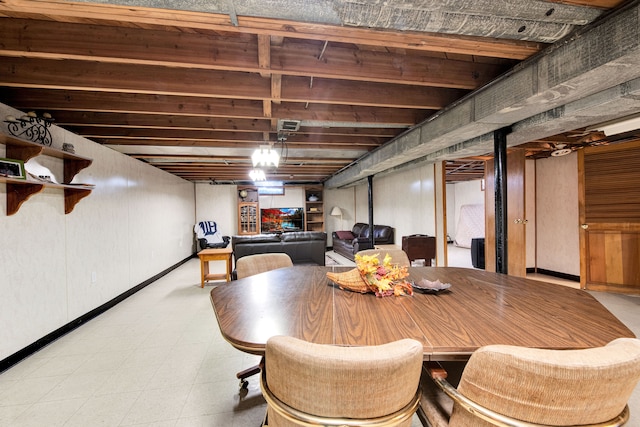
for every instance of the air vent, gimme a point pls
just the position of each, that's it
(288, 125)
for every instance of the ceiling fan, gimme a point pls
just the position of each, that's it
(561, 150)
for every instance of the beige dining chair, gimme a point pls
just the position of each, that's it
(525, 387)
(254, 264)
(398, 256)
(251, 265)
(326, 385)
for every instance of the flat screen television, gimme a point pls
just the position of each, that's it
(278, 220)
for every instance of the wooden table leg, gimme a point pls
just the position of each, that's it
(229, 268)
(204, 270)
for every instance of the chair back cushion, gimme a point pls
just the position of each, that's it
(359, 229)
(254, 264)
(346, 382)
(303, 236)
(398, 256)
(555, 387)
(383, 233)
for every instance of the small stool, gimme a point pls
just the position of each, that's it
(207, 255)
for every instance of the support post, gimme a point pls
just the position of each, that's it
(370, 182)
(500, 171)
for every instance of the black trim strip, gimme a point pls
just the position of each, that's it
(63, 330)
(565, 276)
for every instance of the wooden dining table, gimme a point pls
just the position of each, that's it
(479, 308)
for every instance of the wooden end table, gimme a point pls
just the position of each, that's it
(207, 255)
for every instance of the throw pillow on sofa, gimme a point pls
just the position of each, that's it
(345, 235)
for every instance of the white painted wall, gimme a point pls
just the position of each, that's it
(557, 220)
(218, 203)
(406, 201)
(345, 199)
(137, 222)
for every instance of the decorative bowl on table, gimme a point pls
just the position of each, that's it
(430, 287)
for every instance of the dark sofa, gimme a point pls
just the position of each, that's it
(304, 247)
(348, 243)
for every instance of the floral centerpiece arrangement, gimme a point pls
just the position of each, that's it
(370, 275)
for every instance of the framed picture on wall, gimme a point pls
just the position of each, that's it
(12, 168)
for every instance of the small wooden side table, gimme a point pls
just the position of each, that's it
(420, 246)
(207, 255)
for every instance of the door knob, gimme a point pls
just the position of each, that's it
(584, 226)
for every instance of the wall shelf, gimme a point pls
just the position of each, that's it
(314, 209)
(20, 190)
(248, 211)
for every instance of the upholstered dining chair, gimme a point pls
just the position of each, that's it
(259, 263)
(525, 387)
(398, 256)
(312, 384)
(250, 265)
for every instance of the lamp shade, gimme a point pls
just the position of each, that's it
(336, 211)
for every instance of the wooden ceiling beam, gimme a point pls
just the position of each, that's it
(217, 136)
(128, 16)
(91, 119)
(352, 113)
(264, 55)
(242, 169)
(52, 40)
(50, 74)
(355, 64)
(184, 142)
(152, 121)
(183, 158)
(52, 100)
(82, 75)
(295, 89)
(172, 134)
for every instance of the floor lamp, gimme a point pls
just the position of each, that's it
(336, 211)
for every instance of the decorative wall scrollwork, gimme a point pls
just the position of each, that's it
(31, 127)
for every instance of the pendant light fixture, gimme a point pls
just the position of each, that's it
(265, 156)
(257, 175)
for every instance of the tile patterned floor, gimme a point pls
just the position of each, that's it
(158, 359)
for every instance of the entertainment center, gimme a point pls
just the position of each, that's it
(308, 216)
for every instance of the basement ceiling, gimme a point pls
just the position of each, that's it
(194, 87)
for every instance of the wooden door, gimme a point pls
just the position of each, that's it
(609, 185)
(516, 215)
